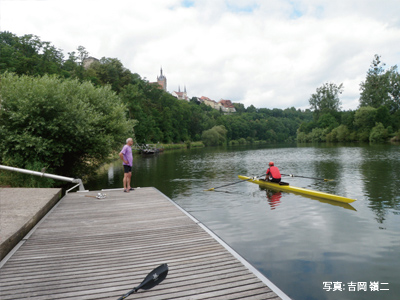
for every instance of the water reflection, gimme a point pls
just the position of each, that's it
(111, 175)
(274, 198)
(380, 169)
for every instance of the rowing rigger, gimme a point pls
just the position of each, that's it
(296, 190)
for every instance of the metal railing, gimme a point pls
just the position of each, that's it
(47, 175)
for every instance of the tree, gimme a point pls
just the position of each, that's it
(327, 121)
(378, 133)
(111, 71)
(364, 118)
(364, 121)
(326, 99)
(67, 126)
(29, 55)
(376, 87)
(394, 93)
(83, 54)
(239, 107)
(215, 136)
(251, 109)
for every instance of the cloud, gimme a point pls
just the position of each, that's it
(271, 54)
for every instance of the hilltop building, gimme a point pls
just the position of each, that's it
(162, 81)
(181, 95)
(209, 102)
(227, 106)
(224, 105)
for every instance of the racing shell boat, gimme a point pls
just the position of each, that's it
(287, 188)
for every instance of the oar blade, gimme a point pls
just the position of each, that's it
(154, 277)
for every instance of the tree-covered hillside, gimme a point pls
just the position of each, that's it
(161, 117)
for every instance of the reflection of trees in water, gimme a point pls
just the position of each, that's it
(380, 168)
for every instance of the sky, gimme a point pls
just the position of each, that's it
(266, 53)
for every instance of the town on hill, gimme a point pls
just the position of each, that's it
(225, 106)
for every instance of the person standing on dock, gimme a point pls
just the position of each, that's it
(273, 174)
(127, 158)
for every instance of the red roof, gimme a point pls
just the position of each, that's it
(226, 103)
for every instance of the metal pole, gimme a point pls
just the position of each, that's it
(47, 175)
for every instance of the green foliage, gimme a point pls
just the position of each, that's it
(301, 137)
(326, 99)
(381, 88)
(15, 179)
(110, 71)
(365, 118)
(378, 133)
(29, 55)
(339, 134)
(215, 136)
(347, 118)
(383, 115)
(363, 136)
(396, 137)
(318, 135)
(327, 121)
(64, 125)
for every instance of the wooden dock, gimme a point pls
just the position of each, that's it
(88, 248)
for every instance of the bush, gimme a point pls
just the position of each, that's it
(215, 136)
(339, 134)
(318, 135)
(396, 138)
(301, 137)
(64, 125)
(363, 136)
(378, 133)
(242, 141)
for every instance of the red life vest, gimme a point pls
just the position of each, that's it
(274, 171)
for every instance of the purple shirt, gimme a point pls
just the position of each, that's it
(127, 153)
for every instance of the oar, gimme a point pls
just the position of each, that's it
(151, 280)
(291, 175)
(231, 183)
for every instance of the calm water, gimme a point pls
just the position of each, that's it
(299, 243)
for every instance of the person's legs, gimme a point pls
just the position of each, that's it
(125, 181)
(127, 178)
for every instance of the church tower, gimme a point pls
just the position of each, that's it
(162, 80)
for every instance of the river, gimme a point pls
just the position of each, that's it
(310, 249)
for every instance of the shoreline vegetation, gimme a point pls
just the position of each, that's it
(65, 116)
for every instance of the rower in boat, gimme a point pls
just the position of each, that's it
(273, 174)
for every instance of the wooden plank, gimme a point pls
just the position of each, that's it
(91, 248)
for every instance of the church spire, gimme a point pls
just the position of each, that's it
(162, 80)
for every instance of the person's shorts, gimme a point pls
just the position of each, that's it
(127, 169)
(275, 180)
